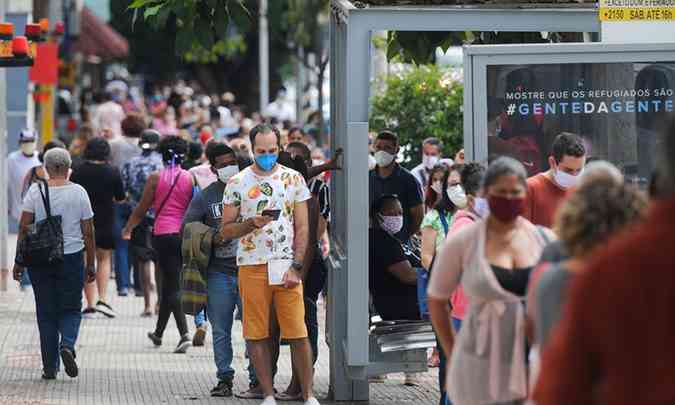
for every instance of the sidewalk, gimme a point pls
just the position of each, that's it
(119, 366)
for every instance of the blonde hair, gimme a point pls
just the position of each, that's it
(596, 211)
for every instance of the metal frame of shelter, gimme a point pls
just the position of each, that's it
(351, 28)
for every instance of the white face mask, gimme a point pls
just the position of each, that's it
(429, 161)
(437, 186)
(481, 207)
(371, 162)
(565, 180)
(391, 225)
(383, 159)
(225, 173)
(457, 195)
(27, 148)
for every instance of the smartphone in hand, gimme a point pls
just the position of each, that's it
(274, 214)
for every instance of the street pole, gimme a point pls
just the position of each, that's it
(264, 55)
(299, 83)
(4, 214)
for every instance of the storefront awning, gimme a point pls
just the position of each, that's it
(99, 39)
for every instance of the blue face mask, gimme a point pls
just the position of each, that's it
(266, 161)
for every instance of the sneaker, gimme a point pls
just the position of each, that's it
(139, 293)
(105, 309)
(89, 313)
(223, 389)
(156, 340)
(269, 401)
(200, 335)
(183, 345)
(312, 401)
(68, 358)
(124, 292)
(49, 375)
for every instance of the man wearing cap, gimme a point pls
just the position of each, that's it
(135, 174)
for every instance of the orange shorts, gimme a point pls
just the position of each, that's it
(257, 297)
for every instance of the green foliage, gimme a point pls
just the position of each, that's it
(421, 103)
(202, 26)
(420, 47)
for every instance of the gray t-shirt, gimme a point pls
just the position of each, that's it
(71, 202)
(122, 150)
(551, 294)
(207, 207)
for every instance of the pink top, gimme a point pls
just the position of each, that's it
(458, 299)
(170, 217)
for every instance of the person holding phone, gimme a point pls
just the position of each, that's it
(270, 256)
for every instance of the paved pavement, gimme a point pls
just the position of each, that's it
(118, 364)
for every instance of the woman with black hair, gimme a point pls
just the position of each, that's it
(169, 193)
(448, 196)
(104, 186)
(393, 277)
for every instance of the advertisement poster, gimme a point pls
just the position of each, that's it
(619, 109)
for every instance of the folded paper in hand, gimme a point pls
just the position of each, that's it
(276, 270)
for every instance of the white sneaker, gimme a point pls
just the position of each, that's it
(312, 401)
(269, 401)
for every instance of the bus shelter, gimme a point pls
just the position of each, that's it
(351, 26)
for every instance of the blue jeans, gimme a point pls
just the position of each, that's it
(223, 298)
(58, 301)
(122, 214)
(25, 280)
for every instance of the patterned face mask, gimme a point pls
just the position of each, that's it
(391, 224)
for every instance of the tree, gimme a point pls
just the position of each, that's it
(217, 40)
(422, 102)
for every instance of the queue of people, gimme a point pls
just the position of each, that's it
(490, 241)
(460, 244)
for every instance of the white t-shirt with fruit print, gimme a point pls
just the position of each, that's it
(253, 194)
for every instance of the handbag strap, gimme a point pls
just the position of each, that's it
(45, 198)
(175, 181)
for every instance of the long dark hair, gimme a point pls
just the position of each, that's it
(445, 205)
(431, 197)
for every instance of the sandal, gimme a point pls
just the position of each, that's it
(251, 393)
(287, 396)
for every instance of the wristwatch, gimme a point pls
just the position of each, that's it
(296, 265)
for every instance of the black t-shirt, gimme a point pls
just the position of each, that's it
(393, 300)
(405, 186)
(103, 184)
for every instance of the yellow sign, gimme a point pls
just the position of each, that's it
(637, 10)
(637, 14)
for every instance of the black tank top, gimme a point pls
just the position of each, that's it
(514, 281)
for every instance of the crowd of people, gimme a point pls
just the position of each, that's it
(192, 205)
(138, 188)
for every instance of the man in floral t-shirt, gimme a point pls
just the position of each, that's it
(265, 206)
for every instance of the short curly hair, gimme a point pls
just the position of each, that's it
(597, 210)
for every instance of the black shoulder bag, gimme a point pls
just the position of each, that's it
(42, 245)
